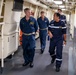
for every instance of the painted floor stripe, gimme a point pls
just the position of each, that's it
(70, 63)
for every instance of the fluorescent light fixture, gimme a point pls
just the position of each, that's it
(55, 10)
(64, 0)
(63, 9)
(62, 6)
(58, 2)
(48, 0)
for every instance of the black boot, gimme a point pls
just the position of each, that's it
(42, 51)
(57, 69)
(25, 64)
(53, 59)
(31, 64)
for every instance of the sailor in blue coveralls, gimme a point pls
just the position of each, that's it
(62, 17)
(57, 33)
(29, 27)
(43, 23)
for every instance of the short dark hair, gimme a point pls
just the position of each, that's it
(42, 12)
(60, 10)
(57, 14)
(26, 9)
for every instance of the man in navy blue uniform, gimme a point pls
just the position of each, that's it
(62, 17)
(29, 27)
(57, 33)
(43, 23)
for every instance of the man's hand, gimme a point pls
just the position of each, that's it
(50, 34)
(64, 42)
(37, 32)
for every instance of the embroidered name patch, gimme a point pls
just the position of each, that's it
(32, 23)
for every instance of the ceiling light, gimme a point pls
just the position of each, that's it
(58, 2)
(64, 0)
(63, 9)
(62, 6)
(49, 0)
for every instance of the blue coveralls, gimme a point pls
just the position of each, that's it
(43, 25)
(28, 41)
(63, 18)
(57, 29)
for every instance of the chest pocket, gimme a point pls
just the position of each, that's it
(31, 23)
(24, 24)
(45, 21)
